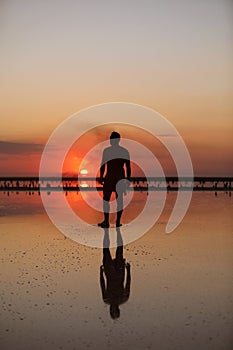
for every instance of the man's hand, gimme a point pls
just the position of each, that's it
(127, 186)
(127, 265)
(101, 180)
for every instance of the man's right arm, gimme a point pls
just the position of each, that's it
(102, 169)
(102, 282)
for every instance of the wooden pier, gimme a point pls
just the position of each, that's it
(139, 184)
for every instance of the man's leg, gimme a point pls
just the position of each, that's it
(119, 198)
(120, 261)
(107, 259)
(106, 240)
(106, 207)
(119, 237)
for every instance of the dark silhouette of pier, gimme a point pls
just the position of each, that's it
(139, 184)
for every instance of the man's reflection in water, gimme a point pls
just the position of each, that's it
(115, 290)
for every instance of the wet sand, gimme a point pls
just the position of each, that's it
(181, 286)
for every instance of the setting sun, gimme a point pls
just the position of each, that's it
(83, 172)
(84, 185)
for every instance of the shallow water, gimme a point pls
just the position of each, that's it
(180, 291)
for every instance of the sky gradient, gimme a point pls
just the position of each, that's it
(174, 56)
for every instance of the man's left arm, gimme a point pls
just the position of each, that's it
(128, 167)
(127, 284)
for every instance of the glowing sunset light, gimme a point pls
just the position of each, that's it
(84, 185)
(83, 171)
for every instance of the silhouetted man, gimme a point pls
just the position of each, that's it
(114, 161)
(115, 291)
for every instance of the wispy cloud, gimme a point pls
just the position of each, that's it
(167, 135)
(16, 148)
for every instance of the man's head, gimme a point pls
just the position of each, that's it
(115, 138)
(114, 311)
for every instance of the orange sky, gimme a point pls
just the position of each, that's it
(59, 57)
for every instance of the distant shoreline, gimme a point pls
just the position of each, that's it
(133, 178)
(138, 184)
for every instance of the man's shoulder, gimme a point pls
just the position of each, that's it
(115, 152)
(107, 150)
(123, 149)
(118, 148)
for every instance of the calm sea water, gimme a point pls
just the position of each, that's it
(179, 295)
(29, 203)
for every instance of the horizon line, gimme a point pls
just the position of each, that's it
(133, 178)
